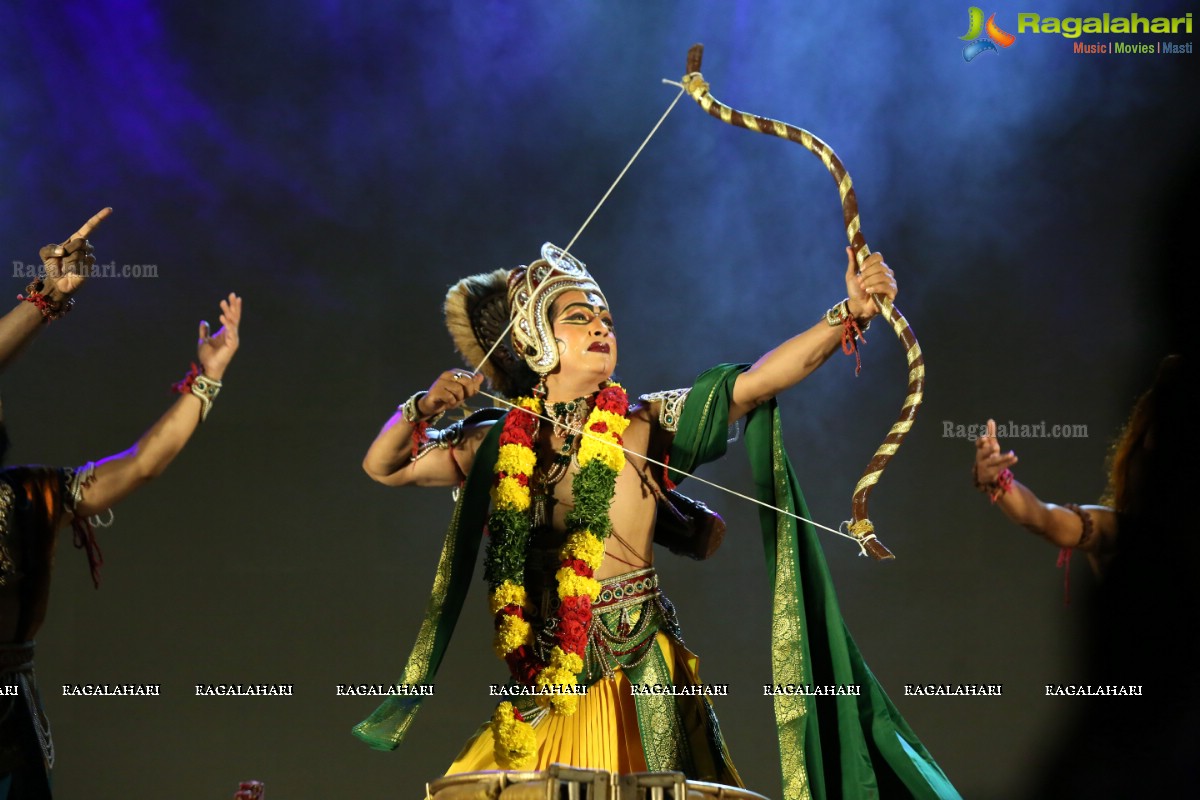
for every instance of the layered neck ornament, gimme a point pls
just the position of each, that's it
(588, 525)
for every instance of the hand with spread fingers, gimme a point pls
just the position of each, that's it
(875, 278)
(449, 391)
(215, 351)
(69, 264)
(989, 461)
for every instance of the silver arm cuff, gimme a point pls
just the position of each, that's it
(77, 479)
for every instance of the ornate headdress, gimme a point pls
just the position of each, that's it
(479, 308)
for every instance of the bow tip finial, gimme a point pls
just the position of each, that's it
(877, 551)
(694, 56)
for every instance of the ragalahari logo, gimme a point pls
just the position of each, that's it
(977, 44)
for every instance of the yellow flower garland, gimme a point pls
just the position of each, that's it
(585, 547)
(508, 594)
(515, 742)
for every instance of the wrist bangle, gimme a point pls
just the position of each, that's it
(206, 389)
(852, 332)
(197, 383)
(840, 313)
(51, 308)
(837, 315)
(412, 412)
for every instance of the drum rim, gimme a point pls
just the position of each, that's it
(509, 775)
(505, 777)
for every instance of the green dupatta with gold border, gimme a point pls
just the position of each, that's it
(830, 747)
(388, 723)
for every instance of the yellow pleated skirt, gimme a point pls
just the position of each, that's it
(603, 733)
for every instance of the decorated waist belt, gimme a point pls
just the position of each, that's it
(16, 669)
(626, 618)
(626, 590)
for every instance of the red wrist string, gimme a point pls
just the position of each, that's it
(184, 384)
(1064, 555)
(1003, 485)
(851, 333)
(85, 539)
(43, 305)
(51, 309)
(1064, 563)
(420, 436)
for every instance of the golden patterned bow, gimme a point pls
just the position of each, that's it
(859, 525)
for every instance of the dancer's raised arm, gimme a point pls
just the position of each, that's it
(795, 359)
(114, 478)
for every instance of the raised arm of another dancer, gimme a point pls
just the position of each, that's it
(66, 267)
(1092, 529)
(795, 359)
(406, 453)
(115, 477)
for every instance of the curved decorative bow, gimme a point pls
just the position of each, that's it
(859, 525)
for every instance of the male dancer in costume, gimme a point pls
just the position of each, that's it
(36, 501)
(570, 558)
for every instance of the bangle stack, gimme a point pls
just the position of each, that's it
(412, 412)
(412, 415)
(51, 309)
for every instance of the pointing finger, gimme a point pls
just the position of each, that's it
(90, 225)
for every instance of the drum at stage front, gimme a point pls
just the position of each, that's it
(673, 786)
(561, 782)
(701, 790)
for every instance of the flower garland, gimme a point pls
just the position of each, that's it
(593, 487)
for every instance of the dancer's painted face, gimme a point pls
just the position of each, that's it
(583, 329)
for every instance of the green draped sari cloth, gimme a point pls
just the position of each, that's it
(830, 747)
(388, 723)
(842, 746)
